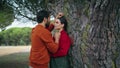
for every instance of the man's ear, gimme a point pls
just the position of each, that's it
(45, 19)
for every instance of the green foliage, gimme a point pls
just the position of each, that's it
(15, 36)
(113, 64)
(6, 15)
(25, 7)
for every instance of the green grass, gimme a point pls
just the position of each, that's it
(17, 60)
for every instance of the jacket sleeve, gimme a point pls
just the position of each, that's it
(64, 47)
(46, 36)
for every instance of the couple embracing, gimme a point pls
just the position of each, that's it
(47, 50)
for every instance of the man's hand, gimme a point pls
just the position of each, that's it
(57, 37)
(60, 14)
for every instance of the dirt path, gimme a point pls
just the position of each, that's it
(5, 50)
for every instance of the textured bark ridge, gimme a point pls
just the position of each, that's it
(102, 35)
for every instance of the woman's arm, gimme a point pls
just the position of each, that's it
(64, 46)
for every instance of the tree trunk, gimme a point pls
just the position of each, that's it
(102, 35)
(94, 26)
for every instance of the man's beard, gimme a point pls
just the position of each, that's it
(47, 24)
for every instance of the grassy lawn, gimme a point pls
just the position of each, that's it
(16, 60)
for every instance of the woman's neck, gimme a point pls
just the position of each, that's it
(60, 29)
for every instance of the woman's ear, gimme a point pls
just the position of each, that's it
(62, 25)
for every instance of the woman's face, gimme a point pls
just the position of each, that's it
(58, 24)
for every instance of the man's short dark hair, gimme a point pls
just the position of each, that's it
(41, 15)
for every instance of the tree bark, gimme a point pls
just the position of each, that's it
(92, 26)
(102, 35)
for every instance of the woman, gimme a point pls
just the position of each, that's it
(60, 58)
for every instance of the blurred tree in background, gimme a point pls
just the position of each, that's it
(94, 26)
(6, 14)
(15, 36)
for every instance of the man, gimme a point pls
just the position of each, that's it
(42, 42)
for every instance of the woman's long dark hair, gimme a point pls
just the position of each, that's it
(64, 21)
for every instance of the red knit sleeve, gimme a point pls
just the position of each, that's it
(64, 46)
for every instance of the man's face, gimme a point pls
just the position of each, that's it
(47, 21)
